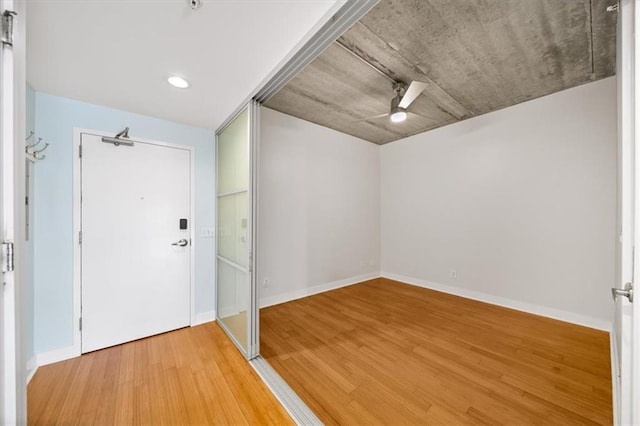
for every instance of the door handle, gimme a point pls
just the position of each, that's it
(627, 292)
(180, 243)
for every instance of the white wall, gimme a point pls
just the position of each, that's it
(319, 208)
(520, 202)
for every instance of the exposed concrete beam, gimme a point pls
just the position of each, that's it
(366, 44)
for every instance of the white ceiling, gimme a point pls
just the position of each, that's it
(118, 53)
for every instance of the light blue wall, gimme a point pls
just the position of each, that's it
(55, 119)
(30, 244)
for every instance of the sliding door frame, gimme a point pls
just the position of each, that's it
(339, 19)
(253, 333)
(254, 161)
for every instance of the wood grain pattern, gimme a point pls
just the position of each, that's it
(191, 376)
(383, 352)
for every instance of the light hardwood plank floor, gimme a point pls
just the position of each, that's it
(190, 376)
(383, 352)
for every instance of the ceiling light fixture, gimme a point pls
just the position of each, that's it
(178, 82)
(398, 116)
(398, 113)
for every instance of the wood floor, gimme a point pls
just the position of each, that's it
(190, 376)
(382, 352)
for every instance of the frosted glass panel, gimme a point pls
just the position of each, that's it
(233, 280)
(233, 155)
(233, 300)
(232, 228)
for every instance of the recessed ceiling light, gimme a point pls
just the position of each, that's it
(178, 82)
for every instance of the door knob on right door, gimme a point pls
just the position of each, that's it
(181, 243)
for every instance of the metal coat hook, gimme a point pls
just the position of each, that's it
(35, 144)
(38, 151)
(32, 153)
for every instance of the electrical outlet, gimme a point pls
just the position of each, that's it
(265, 282)
(453, 274)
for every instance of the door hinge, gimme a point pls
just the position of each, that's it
(80, 323)
(7, 257)
(7, 27)
(80, 237)
(80, 152)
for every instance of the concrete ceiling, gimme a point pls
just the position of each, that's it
(119, 53)
(475, 56)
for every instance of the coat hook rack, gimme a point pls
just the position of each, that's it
(32, 153)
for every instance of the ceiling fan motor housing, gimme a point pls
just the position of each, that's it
(395, 101)
(400, 88)
(397, 114)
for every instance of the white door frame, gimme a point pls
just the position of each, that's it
(13, 384)
(620, 356)
(253, 324)
(77, 227)
(634, 379)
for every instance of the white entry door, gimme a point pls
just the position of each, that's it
(135, 240)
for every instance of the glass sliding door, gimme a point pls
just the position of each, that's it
(236, 292)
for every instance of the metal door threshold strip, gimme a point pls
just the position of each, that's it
(297, 409)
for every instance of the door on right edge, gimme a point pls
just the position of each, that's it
(627, 319)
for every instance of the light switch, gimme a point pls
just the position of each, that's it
(208, 233)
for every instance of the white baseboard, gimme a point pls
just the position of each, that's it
(616, 385)
(32, 367)
(203, 317)
(73, 351)
(531, 308)
(56, 355)
(321, 288)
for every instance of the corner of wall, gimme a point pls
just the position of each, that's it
(203, 317)
(310, 291)
(56, 355)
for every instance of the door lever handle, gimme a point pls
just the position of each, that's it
(627, 292)
(180, 243)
